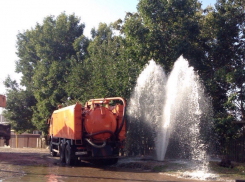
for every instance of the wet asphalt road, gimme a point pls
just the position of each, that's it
(87, 173)
(34, 165)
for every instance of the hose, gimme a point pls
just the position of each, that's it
(94, 145)
(122, 121)
(97, 133)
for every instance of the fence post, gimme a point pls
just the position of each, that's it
(27, 141)
(243, 148)
(16, 141)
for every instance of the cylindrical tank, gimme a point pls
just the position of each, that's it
(100, 120)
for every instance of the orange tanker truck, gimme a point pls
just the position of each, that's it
(95, 132)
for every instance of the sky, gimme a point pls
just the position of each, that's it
(21, 15)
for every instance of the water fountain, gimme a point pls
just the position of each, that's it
(176, 110)
(146, 103)
(185, 112)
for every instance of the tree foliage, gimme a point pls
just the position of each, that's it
(226, 57)
(112, 72)
(46, 55)
(19, 107)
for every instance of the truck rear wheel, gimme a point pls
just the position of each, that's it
(69, 157)
(62, 152)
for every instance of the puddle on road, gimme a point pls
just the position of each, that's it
(87, 172)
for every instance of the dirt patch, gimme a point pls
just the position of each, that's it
(25, 156)
(12, 159)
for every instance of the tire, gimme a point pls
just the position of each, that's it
(62, 152)
(69, 157)
(52, 153)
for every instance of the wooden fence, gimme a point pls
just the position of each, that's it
(236, 150)
(25, 140)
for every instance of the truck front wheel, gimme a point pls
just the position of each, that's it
(52, 153)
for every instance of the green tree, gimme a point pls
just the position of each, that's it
(18, 109)
(226, 57)
(46, 54)
(78, 80)
(173, 28)
(112, 71)
(137, 39)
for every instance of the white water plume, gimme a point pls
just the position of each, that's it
(181, 113)
(144, 103)
(176, 109)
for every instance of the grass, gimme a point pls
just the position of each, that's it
(161, 168)
(170, 167)
(237, 172)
